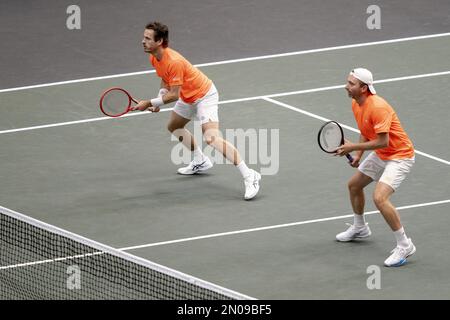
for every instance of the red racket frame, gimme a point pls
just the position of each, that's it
(128, 108)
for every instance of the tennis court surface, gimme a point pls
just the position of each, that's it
(116, 213)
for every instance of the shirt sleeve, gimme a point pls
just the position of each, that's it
(381, 119)
(175, 74)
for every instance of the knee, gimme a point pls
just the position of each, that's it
(379, 199)
(353, 187)
(209, 139)
(177, 132)
(171, 127)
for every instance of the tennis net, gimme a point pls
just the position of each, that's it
(41, 261)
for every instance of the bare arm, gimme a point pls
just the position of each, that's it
(170, 96)
(164, 85)
(382, 141)
(362, 139)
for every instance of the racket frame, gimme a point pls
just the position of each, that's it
(126, 110)
(349, 157)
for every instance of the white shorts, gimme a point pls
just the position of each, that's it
(390, 172)
(204, 109)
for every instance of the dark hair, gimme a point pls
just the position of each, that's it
(362, 84)
(161, 31)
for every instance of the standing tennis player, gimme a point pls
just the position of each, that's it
(195, 96)
(388, 164)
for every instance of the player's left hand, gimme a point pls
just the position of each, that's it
(346, 148)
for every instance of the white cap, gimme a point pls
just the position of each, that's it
(365, 76)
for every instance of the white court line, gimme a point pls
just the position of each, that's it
(89, 245)
(312, 115)
(275, 95)
(285, 225)
(61, 124)
(291, 93)
(365, 44)
(223, 234)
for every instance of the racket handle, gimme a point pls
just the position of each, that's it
(349, 157)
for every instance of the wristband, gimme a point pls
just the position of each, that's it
(157, 102)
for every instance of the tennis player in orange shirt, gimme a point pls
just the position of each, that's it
(196, 97)
(388, 164)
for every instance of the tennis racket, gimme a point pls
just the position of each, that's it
(331, 137)
(116, 102)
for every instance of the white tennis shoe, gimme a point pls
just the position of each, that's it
(195, 167)
(399, 255)
(354, 232)
(251, 184)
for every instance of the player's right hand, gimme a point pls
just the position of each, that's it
(142, 105)
(355, 163)
(154, 109)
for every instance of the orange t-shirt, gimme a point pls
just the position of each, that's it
(175, 70)
(377, 116)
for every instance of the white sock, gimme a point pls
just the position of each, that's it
(400, 236)
(359, 220)
(245, 171)
(198, 155)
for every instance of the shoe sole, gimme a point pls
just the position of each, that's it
(403, 261)
(192, 173)
(355, 238)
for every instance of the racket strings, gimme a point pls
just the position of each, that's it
(115, 102)
(330, 137)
